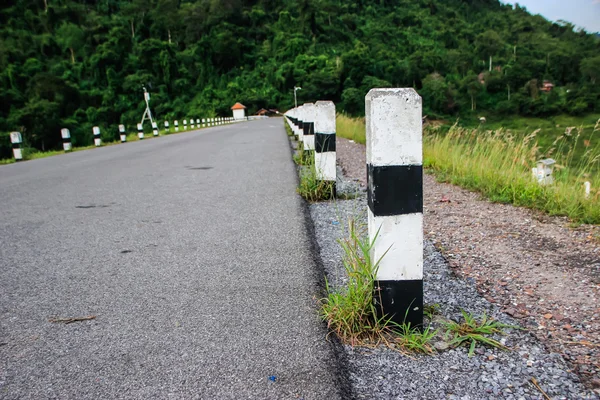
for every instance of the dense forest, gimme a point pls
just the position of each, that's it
(79, 63)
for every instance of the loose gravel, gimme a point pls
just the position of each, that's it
(491, 373)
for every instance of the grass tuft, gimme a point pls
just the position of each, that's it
(312, 188)
(471, 332)
(350, 311)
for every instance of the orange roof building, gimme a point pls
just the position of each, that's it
(239, 111)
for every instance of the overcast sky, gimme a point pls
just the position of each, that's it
(581, 13)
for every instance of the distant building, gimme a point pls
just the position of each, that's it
(547, 86)
(268, 113)
(239, 111)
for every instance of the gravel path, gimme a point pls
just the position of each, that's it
(511, 262)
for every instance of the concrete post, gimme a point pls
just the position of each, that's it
(204, 122)
(65, 134)
(308, 126)
(176, 123)
(301, 124)
(97, 139)
(122, 134)
(395, 198)
(16, 139)
(140, 129)
(198, 122)
(324, 141)
(167, 127)
(587, 187)
(185, 124)
(192, 123)
(154, 129)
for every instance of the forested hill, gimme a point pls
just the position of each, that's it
(78, 63)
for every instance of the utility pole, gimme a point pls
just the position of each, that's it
(296, 88)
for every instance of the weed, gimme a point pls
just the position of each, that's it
(312, 188)
(350, 311)
(413, 339)
(473, 331)
(302, 157)
(430, 310)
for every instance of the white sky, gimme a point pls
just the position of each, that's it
(581, 13)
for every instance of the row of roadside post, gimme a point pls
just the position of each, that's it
(394, 166)
(16, 138)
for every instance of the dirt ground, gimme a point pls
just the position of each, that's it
(539, 269)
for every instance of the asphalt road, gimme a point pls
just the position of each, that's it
(191, 251)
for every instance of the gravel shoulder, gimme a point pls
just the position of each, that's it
(516, 265)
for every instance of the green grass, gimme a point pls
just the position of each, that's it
(548, 131)
(312, 188)
(472, 332)
(351, 128)
(350, 311)
(497, 163)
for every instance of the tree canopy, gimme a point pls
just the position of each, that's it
(79, 63)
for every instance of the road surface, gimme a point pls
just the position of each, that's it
(191, 252)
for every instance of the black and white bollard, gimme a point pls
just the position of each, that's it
(395, 198)
(154, 129)
(167, 130)
(65, 134)
(204, 122)
(16, 139)
(97, 139)
(140, 128)
(308, 127)
(324, 141)
(192, 123)
(185, 124)
(176, 123)
(198, 122)
(122, 134)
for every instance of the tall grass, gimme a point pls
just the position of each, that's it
(351, 128)
(497, 163)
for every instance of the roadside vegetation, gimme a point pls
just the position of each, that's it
(76, 64)
(351, 314)
(497, 162)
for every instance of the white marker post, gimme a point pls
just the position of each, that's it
(140, 128)
(192, 123)
(308, 126)
(198, 122)
(395, 198)
(65, 134)
(301, 124)
(167, 127)
(587, 187)
(122, 133)
(324, 141)
(185, 124)
(97, 139)
(176, 123)
(204, 122)
(16, 139)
